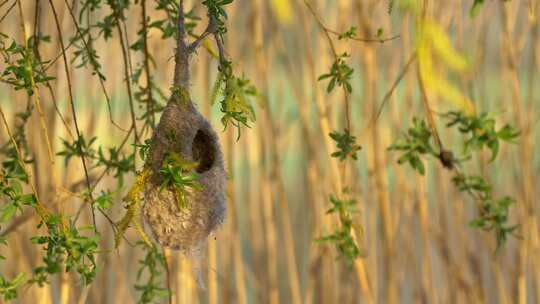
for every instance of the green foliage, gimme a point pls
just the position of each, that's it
(12, 179)
(77, 148)
(342, 237)
(66, 246)
(167, 25)
(479, 132)
(8, 288)
(11, 190)
(494, 217)
(493, 212)
(104, 200)
(349, 34)
(216, 12)
(346, 143)
(117, 15)
(178, 174)
(85, 53)
(113, 161)
(12, 164)
(235, 105)
(475, 8)
(144, 148)
(152, 264)
(117, 162)
(22, 69)
(414, 145)
(340, 74)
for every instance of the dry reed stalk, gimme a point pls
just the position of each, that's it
(313, 174)
(256, 214)
(271, 239)
(213, 284)
(236, 246)
(275, 172)
(185, 287)
(425, 233)
(511, 73)
(380, 185)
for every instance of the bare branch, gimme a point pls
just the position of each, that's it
(210, 29)
(181, 68)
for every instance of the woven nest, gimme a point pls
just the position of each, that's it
(183, 130)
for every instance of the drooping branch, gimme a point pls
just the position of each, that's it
(185, 49)
(181, 68)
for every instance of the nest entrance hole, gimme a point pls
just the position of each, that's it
(203, 150)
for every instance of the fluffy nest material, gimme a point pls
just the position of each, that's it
(183, 130)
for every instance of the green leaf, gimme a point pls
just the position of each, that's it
(475, 9)
(7, 212)
(508, 133)
(346, 144)
(380, 32)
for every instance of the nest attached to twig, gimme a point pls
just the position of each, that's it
(183, 130)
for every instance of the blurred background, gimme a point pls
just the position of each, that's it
(417, 243)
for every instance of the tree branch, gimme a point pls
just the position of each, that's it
(210, 29)
(181, 68)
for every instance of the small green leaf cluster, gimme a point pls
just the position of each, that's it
(340, 74)
(117, 15)
(12, 178)
(493, 212)
(8, 288)
(77, 148)
(84, 41)
(23, 70)
(235, 105)
(346, 144)
(104, 200)
(12, 191)
(153, 264)
(66, 246)
(144, 148)
(178, 174)
(117, 162)
(85, 52)
(114, 160)
(217, 13)
(480, 133)
(349, 34)
(475, 8)
(414, 145)
(342, 237)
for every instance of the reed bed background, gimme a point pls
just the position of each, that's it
(417, 243)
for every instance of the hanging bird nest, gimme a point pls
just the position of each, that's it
(184, 131)
(176, 216)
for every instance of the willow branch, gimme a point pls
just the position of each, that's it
(181, 68)
(210, 30)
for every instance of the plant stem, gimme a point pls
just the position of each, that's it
(181, 68)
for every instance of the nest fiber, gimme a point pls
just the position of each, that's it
(183, 130)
